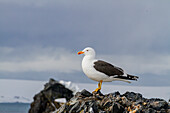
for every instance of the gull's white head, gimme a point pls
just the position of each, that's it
(88, 51)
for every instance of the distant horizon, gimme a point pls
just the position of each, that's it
(87, 80)
(25, 90)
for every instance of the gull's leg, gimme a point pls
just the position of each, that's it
(99, 87)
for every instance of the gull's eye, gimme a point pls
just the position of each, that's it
(87, 50)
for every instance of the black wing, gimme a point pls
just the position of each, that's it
(107, 68)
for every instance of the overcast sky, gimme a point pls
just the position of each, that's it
(40, 39)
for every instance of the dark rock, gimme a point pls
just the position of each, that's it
(115, 94)
(85, 102)
(54, 90)
(92, 107)
(149, 110)
(85, 93)
(81, 107)
(117, 108)
(168, 111)
(74, 108)
(125, 102)
(158, 104)
(102, 112)
(44, 101)
(133, 96)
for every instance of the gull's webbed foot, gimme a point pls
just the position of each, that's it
(99, 87)
(96, 90)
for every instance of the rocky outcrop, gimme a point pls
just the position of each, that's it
(44, 101)
(130, 102)
(86, 102)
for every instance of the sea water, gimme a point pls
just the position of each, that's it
(14, 107)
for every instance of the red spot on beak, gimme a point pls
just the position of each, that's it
(80, 52)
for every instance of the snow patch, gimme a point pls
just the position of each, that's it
(61, 100)
(72, 86)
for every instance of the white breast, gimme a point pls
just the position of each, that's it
(90, 71)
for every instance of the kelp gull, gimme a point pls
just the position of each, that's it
(102, 71)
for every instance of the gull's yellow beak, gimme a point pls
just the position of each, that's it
(80, 52)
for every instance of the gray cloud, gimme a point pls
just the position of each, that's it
(40, 63)
(158, 65)
(123, 24)
(125, 32)
(42, 59)
(38, 60)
